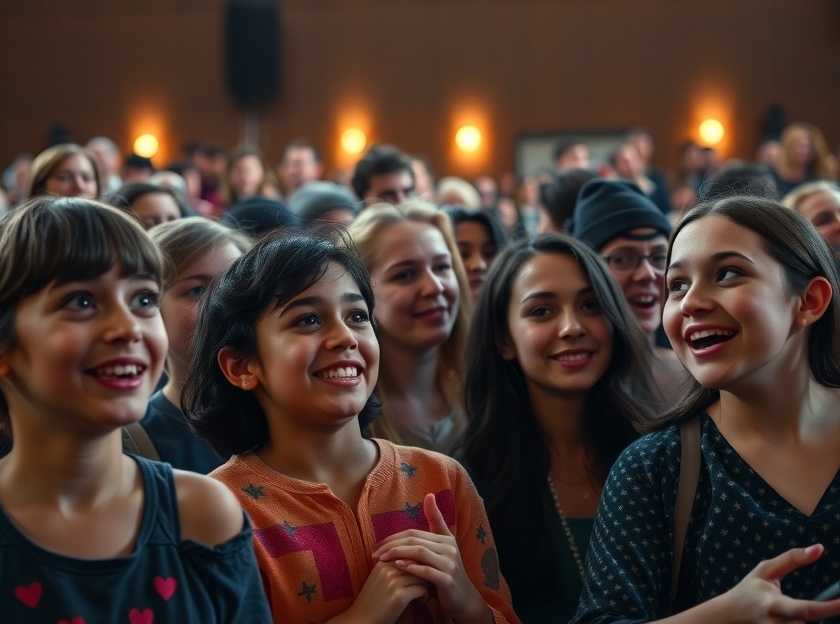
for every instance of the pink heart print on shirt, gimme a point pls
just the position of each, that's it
(136, 616)
(75, 620)
(30, 595)
(165, 587)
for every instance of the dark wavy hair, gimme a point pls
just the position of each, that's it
(273, 272)
(379, 160)
(503, 437)
(504, 447)
(803, 255)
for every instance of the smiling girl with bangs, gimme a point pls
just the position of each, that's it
(87, 533)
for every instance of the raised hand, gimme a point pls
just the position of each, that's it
(433, 556)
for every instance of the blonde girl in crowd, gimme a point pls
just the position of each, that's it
(196, 252)
(66, 170)
(422, 318)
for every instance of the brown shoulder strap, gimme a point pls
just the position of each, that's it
(686, 491)
(137, 441)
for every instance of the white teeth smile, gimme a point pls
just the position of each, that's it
(572, 357)
(340, 373)
(126, 370)
(644, 299)
(706, 333)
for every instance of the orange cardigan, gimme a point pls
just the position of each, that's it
(314, 551)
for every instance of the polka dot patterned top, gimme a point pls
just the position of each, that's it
(737, 521)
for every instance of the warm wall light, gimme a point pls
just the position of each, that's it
(468, 138)
(353, 141)
(146, 145)
(711, 132)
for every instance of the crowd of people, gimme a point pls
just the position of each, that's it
(231, 392)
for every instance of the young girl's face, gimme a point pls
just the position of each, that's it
(179, 304)
(556, 330)
(417, 294)
(92, 350)
(729, 312)
(155, 208)
(74, 177)
(317, 356)
(477, 251)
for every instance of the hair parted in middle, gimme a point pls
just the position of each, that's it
(50, 159)
(366, 230)
(502, 424)
(505, 447)
(184, 241)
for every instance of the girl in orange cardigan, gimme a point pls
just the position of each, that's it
(347, 529)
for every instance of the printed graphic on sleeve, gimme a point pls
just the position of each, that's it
(323, 542)
(411, 516)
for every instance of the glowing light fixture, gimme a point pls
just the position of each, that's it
(711, 132)
(353, 141)
(146, 145)
(468, 138)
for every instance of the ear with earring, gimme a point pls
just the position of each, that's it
(237, 369)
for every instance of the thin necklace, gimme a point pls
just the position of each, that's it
(570, 538)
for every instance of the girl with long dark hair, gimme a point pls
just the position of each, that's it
(557, 383)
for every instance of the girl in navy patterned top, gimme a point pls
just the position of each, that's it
(751, 313)
(88, 534)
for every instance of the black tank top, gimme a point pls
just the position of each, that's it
(163, 580)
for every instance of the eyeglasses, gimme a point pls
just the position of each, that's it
(627, 260)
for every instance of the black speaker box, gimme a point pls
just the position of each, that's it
(252, 51)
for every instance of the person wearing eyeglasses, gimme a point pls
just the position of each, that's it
(616, 219)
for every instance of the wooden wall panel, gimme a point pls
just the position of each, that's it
(409, 66)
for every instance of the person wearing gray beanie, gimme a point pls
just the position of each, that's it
(319, 203)
(616, 219)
